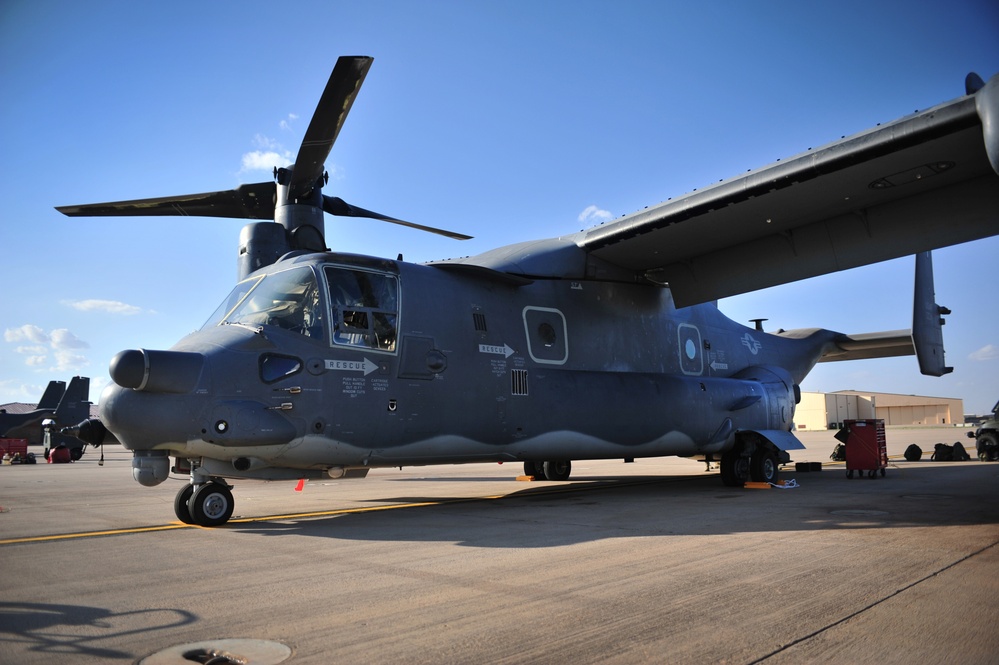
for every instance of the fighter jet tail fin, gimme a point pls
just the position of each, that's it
(53, 393)
(75, 403)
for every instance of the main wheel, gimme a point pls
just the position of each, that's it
(536, 469)
(180, 504)
(734, 469)
(558, 469)
(211, 505)
(763, 467)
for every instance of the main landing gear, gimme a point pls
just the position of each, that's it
(755, 462)
(551, 470)
(206, 504)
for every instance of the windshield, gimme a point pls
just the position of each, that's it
(288, 299)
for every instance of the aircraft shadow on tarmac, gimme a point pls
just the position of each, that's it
(669, 506)
(68, 630)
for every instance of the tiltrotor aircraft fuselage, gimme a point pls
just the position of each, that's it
(602, 344)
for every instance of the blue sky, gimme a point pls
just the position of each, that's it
(507, 120)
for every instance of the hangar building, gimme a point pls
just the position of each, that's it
(829, 410)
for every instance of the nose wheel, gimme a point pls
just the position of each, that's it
(209, 504)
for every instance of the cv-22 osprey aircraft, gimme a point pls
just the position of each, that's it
(601, 344)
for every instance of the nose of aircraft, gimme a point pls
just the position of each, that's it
(163, 400)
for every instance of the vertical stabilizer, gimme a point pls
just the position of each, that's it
(53, 393)
(927, 320)
(75, 404)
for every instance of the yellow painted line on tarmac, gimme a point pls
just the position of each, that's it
(242, 520)
(573, 487)
(91, 534)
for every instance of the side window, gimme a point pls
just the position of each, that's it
(365, 308)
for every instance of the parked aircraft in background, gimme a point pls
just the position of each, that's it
(65, 406)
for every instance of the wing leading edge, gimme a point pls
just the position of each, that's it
(921, 182)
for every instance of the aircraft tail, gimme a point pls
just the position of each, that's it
(924, 340)
(75, 403)
(928, 321)
(53, 393)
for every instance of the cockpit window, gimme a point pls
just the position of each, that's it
(288, 299)
(365, 308)
(234, 298)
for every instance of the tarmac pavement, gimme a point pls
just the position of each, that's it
(654, 561)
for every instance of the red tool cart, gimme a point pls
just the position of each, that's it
(865, 447)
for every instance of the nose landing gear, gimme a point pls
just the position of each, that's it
(205, 504)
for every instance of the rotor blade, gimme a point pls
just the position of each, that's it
(334, 105)
(337, 206)
(254, 201)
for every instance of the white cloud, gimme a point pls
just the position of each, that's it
(11, 391)
(266, 143)
(987, 352)
(108, 306)
(259, 160)
(269, 153)
(63, 339)
(286, 124)
(26, 333)
(61, 342)
(67, 361)
(31, 350)
(594, 215)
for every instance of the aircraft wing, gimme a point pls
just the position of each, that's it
(925, 181)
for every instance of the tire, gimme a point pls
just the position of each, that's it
(986, 445)
(76, 453)
(180, 504)
(558, 469)
(763, 467)
(536, 469)
(734, 469)
(211, 505)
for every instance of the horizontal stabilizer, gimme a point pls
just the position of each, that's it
(865, 346)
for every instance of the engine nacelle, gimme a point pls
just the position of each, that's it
(260, 244)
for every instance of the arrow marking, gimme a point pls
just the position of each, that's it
(365, 366)
(504, 350)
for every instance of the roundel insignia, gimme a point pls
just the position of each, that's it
(689, 339)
